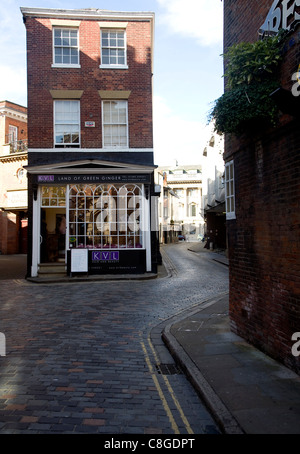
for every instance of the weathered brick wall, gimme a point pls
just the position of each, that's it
(89, 78)
(264, 239)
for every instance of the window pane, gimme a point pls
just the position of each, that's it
(227, 173)
(120, 39)
(58, 56)
(75, 138)
(113, 60)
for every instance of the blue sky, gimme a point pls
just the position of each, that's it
(188, 67)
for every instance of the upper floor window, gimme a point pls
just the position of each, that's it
(193, 192)
(229, 190)
(113, 49)
(13, 138)
(115, 124)
(65, 47)
(179, 192)
(192, 210)
(67, 123)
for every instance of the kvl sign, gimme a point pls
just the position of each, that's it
(282, 14)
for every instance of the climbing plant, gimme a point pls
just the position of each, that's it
(252, 74)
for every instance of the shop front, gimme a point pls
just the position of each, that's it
(97, 222)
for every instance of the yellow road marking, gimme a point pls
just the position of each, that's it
(170, 389)
(160, 392)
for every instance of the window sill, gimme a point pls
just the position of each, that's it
(230, 216)
(60, 146)
(64, 66)
(113, 67)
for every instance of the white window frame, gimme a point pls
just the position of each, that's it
(65, 65)
(67, 144)
(114, 124)
(113, 65)
(230, 190)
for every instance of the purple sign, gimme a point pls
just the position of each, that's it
(45, 178)
(105, 256)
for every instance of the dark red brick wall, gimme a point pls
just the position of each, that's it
(264, 239)
(89, 78)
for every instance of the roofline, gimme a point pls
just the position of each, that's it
(14, 103)
(89, 13)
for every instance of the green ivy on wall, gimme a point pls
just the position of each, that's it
(252, 74)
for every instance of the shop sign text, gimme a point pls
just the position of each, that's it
(281, 15)
(105, 256)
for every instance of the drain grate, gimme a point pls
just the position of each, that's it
(168, 369)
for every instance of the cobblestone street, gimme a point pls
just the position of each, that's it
(88, 358)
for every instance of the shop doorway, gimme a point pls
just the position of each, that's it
(53, 235)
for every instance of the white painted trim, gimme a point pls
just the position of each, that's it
(91, 13)
(64, 65)
(36, 232)
(231, 214)
(11, 113)
(113, 67)
(90, 150)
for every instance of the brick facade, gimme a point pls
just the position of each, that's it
(264, 239)
(93, 80)
(90, 79)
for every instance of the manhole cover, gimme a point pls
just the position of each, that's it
(168, 369)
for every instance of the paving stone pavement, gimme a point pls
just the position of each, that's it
(85, 357)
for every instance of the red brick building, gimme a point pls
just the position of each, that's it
(90, 140)
(263, 196)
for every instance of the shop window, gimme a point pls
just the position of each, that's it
(105, 216)
(53, 196)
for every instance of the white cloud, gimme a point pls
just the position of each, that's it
(198, 19)
(176, 138)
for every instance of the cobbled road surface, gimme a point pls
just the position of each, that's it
(88, 357)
